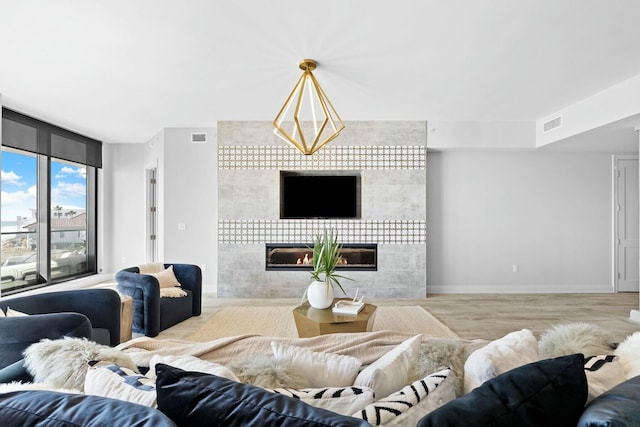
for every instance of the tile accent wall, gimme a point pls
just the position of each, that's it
(391, 158)
(294, 231)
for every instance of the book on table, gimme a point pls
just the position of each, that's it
(347, 307)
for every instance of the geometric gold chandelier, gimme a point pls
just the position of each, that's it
(307, 120)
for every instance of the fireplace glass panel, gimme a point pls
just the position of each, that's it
(283, 256)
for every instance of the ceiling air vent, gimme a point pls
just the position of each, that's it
(552, 124)
(198, 137)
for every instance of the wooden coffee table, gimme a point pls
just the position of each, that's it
(311, 322)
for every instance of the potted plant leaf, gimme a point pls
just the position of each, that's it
(326, 256)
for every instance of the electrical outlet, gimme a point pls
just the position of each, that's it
(516, 268)
(182, 226)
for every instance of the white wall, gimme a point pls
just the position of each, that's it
(187, 192)
(190, 188)
(548, 213)
(122, 207)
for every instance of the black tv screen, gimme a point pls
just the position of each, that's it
(319, 195)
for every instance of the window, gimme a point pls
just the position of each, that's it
(49, 188)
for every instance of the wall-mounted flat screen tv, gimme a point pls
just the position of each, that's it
(331, 194)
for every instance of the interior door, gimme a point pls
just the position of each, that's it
(627, 224)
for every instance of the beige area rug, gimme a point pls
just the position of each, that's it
(279, 322)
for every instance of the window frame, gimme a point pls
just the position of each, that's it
(67, 144)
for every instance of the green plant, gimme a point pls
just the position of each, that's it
(326, 256)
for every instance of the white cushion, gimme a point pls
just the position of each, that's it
(391, 372)
(407, 406)
(321, 369)
(151, 268)
(166, 278)
(603, 373)
(629, 351)
(2, 313)
(107, 379)
(192, 364)
(515, 349)
(343, 400)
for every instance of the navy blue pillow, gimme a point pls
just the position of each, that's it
(618, 407)
(193, 399)
(547, 393)
(54, 409)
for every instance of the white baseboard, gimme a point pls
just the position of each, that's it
(518, 289)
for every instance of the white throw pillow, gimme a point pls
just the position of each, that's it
(192, 364)
(107, 379)
(166, 278)
(15, 313)
(2, 313)
(629, 352)
(151, 268)
(343, 400)
(391, 372)
(515, 349)
(603, 373)
(320, 369)
(406, 407)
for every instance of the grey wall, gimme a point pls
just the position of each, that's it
(548, 213)
(391, 158)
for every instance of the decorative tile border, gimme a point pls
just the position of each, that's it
(350, 231)
(329, 158)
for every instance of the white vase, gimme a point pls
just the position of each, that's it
(320, 294)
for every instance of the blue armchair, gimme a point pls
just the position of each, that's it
(152, 314)
(85, 313)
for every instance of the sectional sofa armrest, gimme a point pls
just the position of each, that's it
(100, 306)
(190, 277)
(16, 372)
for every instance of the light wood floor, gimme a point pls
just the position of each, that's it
(488, 316)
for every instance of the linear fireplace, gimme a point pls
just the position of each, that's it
(298, 256)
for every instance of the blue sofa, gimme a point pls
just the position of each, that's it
(152, 314)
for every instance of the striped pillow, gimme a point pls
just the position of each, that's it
(408, 405)
(603, 373)
(109, 380)
(343, 400)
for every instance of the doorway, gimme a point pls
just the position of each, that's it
(626, 191)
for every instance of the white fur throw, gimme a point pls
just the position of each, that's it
(172, 292)
(63, 363)
(267, 372)
(629, 352)
(562, 340)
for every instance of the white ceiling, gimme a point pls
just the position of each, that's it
(121, 70)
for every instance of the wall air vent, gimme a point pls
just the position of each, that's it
(198, 137)
(552, 124)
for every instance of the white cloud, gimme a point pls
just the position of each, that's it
(18, 203)
(65, 192)
(11, 178)
(69, 171)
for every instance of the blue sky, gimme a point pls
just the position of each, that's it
(68, 185)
